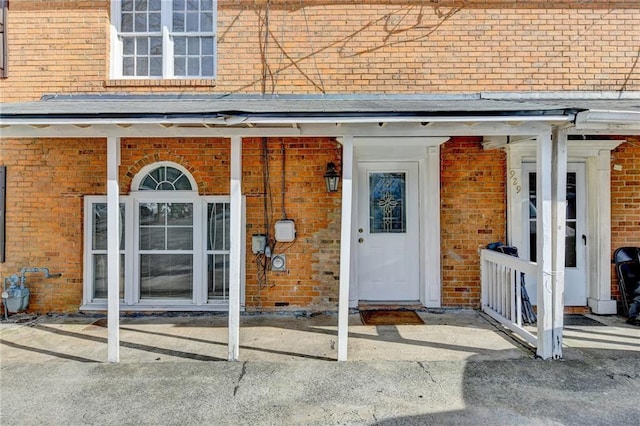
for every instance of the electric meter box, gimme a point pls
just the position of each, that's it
(258, 243)
(285, 231)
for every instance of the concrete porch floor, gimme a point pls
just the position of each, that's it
(448, 335)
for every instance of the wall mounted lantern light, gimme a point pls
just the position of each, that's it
(331, 178)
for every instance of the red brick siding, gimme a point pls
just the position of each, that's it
(473, 215)
(625, 199)
(347, 47)
(47, 180)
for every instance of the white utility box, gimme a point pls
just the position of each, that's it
(285, 231)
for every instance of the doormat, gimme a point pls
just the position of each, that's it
(390, 317)
(579, 319)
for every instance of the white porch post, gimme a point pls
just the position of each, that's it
(236, 242)
(113, 250)
(599, 299)
(559, 209)
(345, 246)
(544, 244)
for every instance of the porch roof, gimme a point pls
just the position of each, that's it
(239, 112)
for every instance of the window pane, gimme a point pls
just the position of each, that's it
(218, 276)
(570, 249)
(193, 21)
(193, 4)
(141, 22)
(142, 67)
(206, 5)
(126, 22)
(150, 214)
(207, 45)
(141, 4)
(152, 238)
(155, 46)
(165, 186)
(193, 46)
(172, 174)
(571, 196)
(218, 226)
(180, 238)
(179, 214)
(206, 22)
(155, 67)
(180, 46)
(128, 66)
(127, 5)
(180, 67)
(178, 4)
(570, 253)
(183, 184)
(99, 236)
(387, 200)
(207, 66)
(532, 242)
(142, 46)
(168, 276)
(155, 22)
(155, 4)
(128, 46)
(100, 282)
(193, 67)
(532, 196)
(148, 184)
(99, 231)
(178, 22)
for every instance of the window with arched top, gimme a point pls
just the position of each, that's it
(164, 176)
(175, 244)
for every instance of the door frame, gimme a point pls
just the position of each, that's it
(425, 151)
(404, 291)
(596, 154)
(582, 219)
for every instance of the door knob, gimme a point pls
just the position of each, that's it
(361, 240)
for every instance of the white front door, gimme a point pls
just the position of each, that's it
(575, 290)
(388, 231)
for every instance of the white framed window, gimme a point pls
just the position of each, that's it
(174, 245)
(163, 39)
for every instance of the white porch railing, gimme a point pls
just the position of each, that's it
(501, 287)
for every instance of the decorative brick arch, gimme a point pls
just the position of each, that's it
(133, 170)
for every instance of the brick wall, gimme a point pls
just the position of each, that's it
(472, 215)
(311, 280)
(347, 47)
(47, 180)
(625, 200)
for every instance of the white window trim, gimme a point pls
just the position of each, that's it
(142, 174)
(115, 68)
(132, 301)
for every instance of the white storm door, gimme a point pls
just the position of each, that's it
(575, 286)
(388, 231)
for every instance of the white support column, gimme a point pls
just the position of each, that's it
(544, 244)
(599, 298)
(235, 255)
(113, 250)
(559, 212)
(345, 246)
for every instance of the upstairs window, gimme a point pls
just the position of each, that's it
(164, 39)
